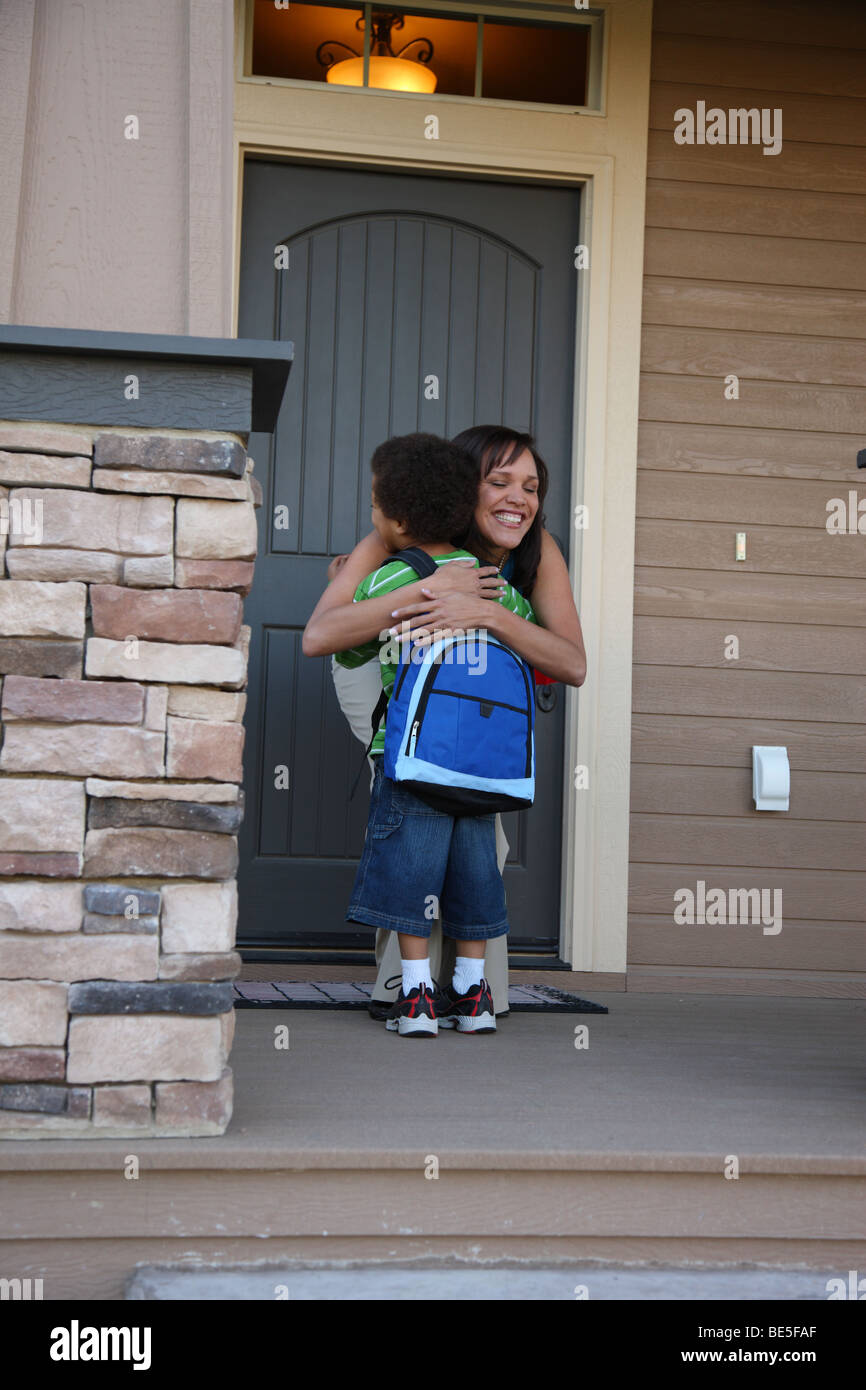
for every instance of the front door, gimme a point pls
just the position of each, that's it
(414, 303)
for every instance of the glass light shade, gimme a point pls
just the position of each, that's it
(393, 74)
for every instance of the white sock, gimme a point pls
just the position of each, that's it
(468, 971)
(415, 973)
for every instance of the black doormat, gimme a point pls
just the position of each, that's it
(292, 994)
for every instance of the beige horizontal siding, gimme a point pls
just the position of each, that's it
(674, 447)
(759, 356)
(834, 168)
(750, 694)
(799, 945)
(781, 647)
(770, 67)
(797, 262)
(807, 119)
(729, 840)
(755, 267)
(764, 405)
(700, 740)
(780, 550)
(838, 984)
(775, 502)
(766, 21)
(721, 208)
(810, 894)
(679, 789)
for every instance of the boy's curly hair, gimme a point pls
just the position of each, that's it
(427, 483)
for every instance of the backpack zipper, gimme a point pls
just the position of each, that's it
(479, 700)
(422, 705)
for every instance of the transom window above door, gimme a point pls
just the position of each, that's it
(540, 55)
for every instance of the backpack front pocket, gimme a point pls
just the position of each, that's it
(460, 735)
(471, 734)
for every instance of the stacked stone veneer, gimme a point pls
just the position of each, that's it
(123, 663)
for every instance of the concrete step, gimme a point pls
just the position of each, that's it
(457, 1283)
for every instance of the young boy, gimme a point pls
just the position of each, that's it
(425, 491)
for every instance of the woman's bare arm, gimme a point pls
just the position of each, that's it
(554, 645)
(337, 622)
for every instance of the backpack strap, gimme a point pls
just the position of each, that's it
(424, 565)
(381, 706)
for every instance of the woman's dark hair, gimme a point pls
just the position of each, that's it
(427, 483)
(496, 446)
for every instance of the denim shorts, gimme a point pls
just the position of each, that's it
(416, 858)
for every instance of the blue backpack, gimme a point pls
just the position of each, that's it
(460, 733)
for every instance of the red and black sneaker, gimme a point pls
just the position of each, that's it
(414, 1014)
(471, 1012)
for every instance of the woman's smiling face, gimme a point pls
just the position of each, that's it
(508, 501)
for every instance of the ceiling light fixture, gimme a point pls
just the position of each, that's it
(388, 70)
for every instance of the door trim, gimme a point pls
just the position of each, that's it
(606, 157)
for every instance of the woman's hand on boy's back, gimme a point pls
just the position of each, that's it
(438, 612)
(452, 599)
(465, 577)
(337, 623)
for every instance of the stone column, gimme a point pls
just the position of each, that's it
(123, 662)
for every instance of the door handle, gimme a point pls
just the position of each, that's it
(545, 697)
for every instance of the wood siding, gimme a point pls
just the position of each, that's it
(755, 266)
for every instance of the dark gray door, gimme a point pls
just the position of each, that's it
(391, 279)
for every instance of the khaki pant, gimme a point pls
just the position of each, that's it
(357, 691)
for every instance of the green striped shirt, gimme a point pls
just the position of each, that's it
(394, 575)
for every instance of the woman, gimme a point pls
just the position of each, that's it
(508, 537)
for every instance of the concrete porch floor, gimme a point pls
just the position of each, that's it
(545, 1152)
(662, 1075)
